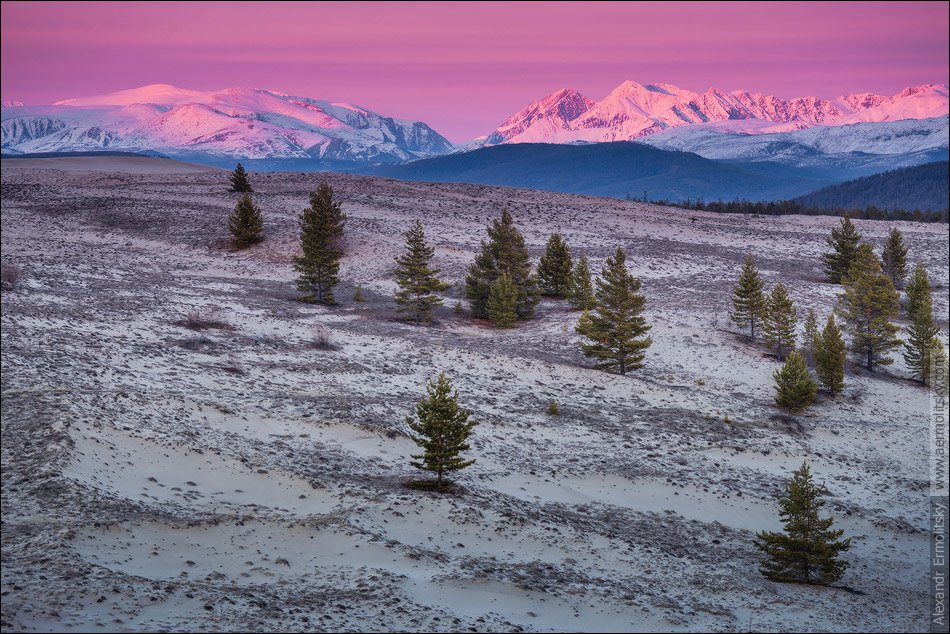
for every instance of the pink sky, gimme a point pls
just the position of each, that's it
(464, 68)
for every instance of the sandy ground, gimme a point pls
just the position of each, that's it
(155, 477)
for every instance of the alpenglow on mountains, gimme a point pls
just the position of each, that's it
(633, 110)
(279, 131)
(235, 123)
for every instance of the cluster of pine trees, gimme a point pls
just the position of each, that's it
(867, 307)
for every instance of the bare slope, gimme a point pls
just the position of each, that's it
(156, 477)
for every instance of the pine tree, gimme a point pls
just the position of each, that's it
(416, 278)
(505, 252)
(811, 335)
(503, 302)
(779, 321)
(441, 428)
(321, 227)
(923, 326)
(748, 302)
(616, 326)
(808, 550)
(582, 288)
(358, 296)
(239, 182)
(830, 357)
(894, 258)
(868, 304)
(844, 242)
(554, 268)
(938, 375)
(795, 389)
(246, 223)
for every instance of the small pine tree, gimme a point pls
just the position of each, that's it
(811, 335)
(894, 258)
(808, 550)
(844, 242)
(582, 288)
(938, 375)
(553, 409)
(246, 223)
(441, 428)
(358, 294)
(795, 389)
(923, 326)
(458, 307)
(503, 302)
(779, 321)
(830, 357)
(505, 252)
(616, 327)
(554, 268)
(239, 182)
(416, 278)
(748, 302)
(321, 227)
(868, 304)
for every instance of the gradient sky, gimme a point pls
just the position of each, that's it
(464, 68)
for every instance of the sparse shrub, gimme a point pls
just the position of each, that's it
(320, 337)
(553, 409)
(358, 295)
(700, 381)
(10, 276)
(209, 318)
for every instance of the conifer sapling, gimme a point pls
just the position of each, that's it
(554, 268)
(616, 328)
(582, 287)
(239, 181)
(808, 550)
(418, 281)
(748, 301)
(794, 388)
(441, 428)
(844, 243)
(246, 223)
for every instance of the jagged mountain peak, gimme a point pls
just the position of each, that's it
(633, 110)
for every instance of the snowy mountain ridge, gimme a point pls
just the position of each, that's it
(633, 110)
(237, 123)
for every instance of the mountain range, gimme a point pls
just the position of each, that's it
(234, 123)
(770, 146)
(633, 110)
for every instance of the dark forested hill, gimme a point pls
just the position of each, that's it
(923, 187)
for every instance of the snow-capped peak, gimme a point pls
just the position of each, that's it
(244, 123)
(633, 110)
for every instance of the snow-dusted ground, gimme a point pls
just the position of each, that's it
(160, 478)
